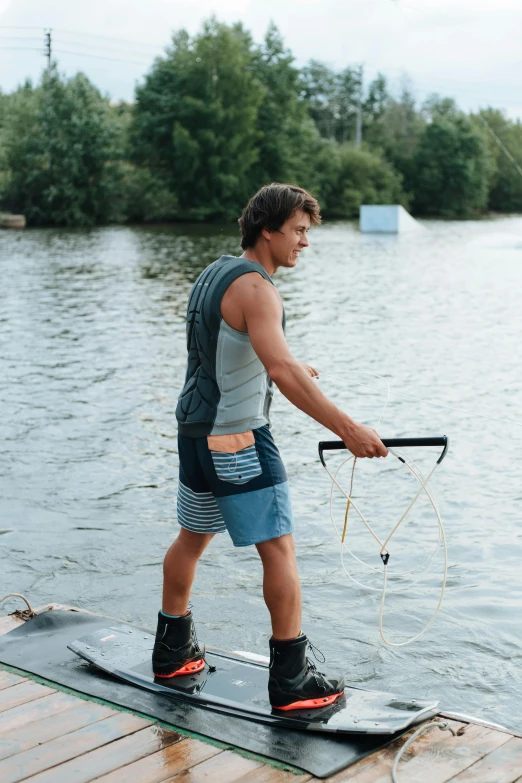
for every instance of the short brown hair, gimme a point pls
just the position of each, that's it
(271, 206)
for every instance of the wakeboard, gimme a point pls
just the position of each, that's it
(231, 684)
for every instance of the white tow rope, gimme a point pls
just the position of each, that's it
(443, 726)
(384, 551)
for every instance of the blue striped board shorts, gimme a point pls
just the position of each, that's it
(236, 483)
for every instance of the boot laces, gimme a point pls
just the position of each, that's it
(199, 650)
(315, 651)
(318, 676)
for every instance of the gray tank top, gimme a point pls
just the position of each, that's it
(227, 389)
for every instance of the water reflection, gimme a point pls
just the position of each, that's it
(179, 253)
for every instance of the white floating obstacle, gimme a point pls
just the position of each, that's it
(386, 219)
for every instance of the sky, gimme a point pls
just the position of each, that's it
(466, 49)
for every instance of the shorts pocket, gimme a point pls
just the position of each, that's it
(232, 464)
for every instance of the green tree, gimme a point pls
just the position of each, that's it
(505, 186)
(436, 105)
(286, 132)
(402, 126)
(332, 99)
(4, 171)
(58, 147)
(319, 91)
(374, 112)
(146, 197)
(138, 195)
(195, 121)
(451, 166)
(349, 87)
(348, 177)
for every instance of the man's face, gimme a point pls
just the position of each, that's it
(287, 243)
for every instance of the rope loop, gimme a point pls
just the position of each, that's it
(446, 727)
(24, 614)
(443, 726)
(423, 486)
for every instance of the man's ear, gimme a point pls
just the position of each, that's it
(266, 234)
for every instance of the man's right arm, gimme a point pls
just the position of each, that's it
(263, 310)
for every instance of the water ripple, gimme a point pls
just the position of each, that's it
(92, 358)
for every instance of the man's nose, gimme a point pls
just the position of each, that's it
(304, 241)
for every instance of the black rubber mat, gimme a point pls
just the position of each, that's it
(40, 647)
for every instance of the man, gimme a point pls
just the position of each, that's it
(231, 474)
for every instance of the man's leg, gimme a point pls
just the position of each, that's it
(281, 586)
(179, 569)
(176, 650)
(293, 683)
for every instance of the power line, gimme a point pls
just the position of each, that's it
(101, 57)
(98, 48)
(107, 38)
(18, 27)
(86, 35)
(18, 38)
(82, 34)
(502, 146)
(21, 49)
(451, 85)
(144, 56)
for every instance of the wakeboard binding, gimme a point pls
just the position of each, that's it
(176, 649)
(294, 683)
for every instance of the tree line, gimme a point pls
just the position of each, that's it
(218, 115)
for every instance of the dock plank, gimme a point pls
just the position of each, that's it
(34, 733)
(226, 767)
(273, 775)
(22, 693)
(35, 710)
(364, 770)
(7, 679)
(53, 737)
(57, 751)
(503, 765)
(376, 768)
(11, 621)
(8, 623)
(117, 754)
(446, 756)
(163, 764)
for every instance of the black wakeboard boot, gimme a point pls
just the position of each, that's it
(176, 649)
(294, 682)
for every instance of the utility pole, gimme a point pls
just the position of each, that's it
(47, 53)
(358, 122)
(48, 46)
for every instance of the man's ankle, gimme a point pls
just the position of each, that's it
(172, 616)
(283, 639)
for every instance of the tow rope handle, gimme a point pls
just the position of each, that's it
(390, 443)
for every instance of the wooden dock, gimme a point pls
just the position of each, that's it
(50, 735)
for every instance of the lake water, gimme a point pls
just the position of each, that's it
(93, 358)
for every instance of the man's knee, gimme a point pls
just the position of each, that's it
(277, 549)
(193, 543)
